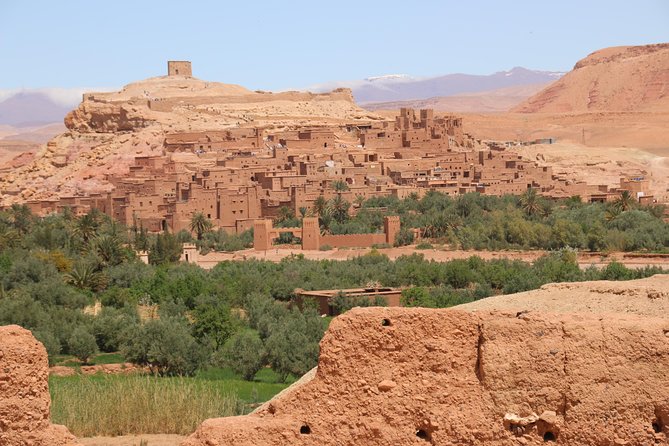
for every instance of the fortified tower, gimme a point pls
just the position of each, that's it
(391, 226)
(311, 232)
(179, 68)
(262, 240)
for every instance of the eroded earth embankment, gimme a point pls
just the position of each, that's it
(24, 393)
(398, 376)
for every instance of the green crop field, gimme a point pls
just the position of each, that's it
(133, 404)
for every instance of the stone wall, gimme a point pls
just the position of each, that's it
(353, 240)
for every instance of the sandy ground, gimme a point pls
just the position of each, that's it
(603, 165)
(275, 255)
(133, 440)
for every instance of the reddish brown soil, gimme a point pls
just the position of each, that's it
(134, 440)
(24, 393)
(107, 369)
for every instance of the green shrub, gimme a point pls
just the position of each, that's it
(404, 237)
(81, 344)
(111, 325)
(165, 346)
(244, 353)
(292, 346)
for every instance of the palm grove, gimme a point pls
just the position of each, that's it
(238, 315)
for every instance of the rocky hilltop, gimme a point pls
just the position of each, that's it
(451, 377)
(627, 78)
(108, 130)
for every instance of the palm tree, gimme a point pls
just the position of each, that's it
(108, 248)
(529, 202)
(320, 205)
(464, 205)
(340, 186)
(626, 201)
(84, 276)
(9, 237)
(612, 212)
(359, 201)
(285, 214)
(86, 226)
(573, 202)
(200, 224)
(20, 217)
(339, 208)
(439, 224)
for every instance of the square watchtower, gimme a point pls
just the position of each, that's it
(179, 68)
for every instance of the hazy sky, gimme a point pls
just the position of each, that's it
(286, 44)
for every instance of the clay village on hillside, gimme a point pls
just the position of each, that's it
(241, 175)
(425, 225)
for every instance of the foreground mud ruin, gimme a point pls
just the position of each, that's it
(24, 393)
(571, 364)
(394, 376)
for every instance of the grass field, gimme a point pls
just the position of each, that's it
(100, 358)
(137, 404)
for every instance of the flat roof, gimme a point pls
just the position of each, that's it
(351, 292)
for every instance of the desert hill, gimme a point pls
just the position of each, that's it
(108, 130)
(627, 78)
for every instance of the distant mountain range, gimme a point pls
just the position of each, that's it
(399, 87)
(489, 101)
(31, 109)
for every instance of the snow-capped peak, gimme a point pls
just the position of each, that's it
(389, 77)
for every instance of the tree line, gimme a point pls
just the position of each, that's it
(238, 314)
(483, 222)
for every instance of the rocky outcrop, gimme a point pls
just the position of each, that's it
(448, 377)
(627, 78)
(24, 393)
(105, 117)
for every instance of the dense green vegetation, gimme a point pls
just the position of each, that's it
(528, 221)
(239, 314)
(232, 330)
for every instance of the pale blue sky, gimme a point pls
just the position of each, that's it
(287, 44)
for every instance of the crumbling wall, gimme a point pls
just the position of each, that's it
(24, 393)
(394, 376)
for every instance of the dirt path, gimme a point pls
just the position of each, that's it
(440, 255)
(134, 440)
